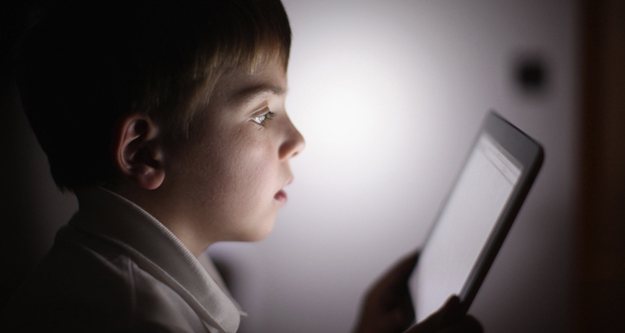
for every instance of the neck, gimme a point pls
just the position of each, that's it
(161, 207)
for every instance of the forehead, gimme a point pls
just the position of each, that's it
(240, 86)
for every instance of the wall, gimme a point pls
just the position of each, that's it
(31, 208)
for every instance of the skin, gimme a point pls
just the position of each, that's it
(388, 307)
(225, 183)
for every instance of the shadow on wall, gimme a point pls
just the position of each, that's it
(31, 207)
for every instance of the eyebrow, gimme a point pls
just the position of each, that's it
(251, 93)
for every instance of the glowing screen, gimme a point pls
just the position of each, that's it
(464, 225)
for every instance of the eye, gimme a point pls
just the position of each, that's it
(263, 117)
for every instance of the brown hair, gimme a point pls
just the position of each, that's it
(84, 64)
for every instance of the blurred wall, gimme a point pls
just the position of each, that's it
(31, 208)
(389, 95)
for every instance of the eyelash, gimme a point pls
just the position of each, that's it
(260, 120)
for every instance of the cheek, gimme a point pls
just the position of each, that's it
(251, 170)
(240, 170)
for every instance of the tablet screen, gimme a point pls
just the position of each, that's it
(482, 190)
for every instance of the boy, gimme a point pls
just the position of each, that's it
(167, 120)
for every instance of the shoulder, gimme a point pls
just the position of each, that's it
(89, 284)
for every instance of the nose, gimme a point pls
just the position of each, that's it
(293, 144)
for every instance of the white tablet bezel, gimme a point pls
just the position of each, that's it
(522, 150)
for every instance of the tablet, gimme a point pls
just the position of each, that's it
(476, 216)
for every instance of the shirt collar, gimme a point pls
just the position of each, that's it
(158, 250)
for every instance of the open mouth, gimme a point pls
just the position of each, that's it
(280, 196)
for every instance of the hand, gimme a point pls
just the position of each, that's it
(388, 305)
(448, 319)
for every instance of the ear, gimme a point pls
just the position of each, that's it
(137, 151)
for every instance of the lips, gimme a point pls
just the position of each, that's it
(281, 196)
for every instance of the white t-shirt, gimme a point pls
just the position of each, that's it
(115, 268)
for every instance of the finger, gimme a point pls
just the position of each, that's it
(404, 267)
(468, 324)
(392, 289)
(446, 315)
(396, 277)
(403, 318)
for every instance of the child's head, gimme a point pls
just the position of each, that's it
(86, 64)
(178, 105)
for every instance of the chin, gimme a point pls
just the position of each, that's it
(261, 232)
